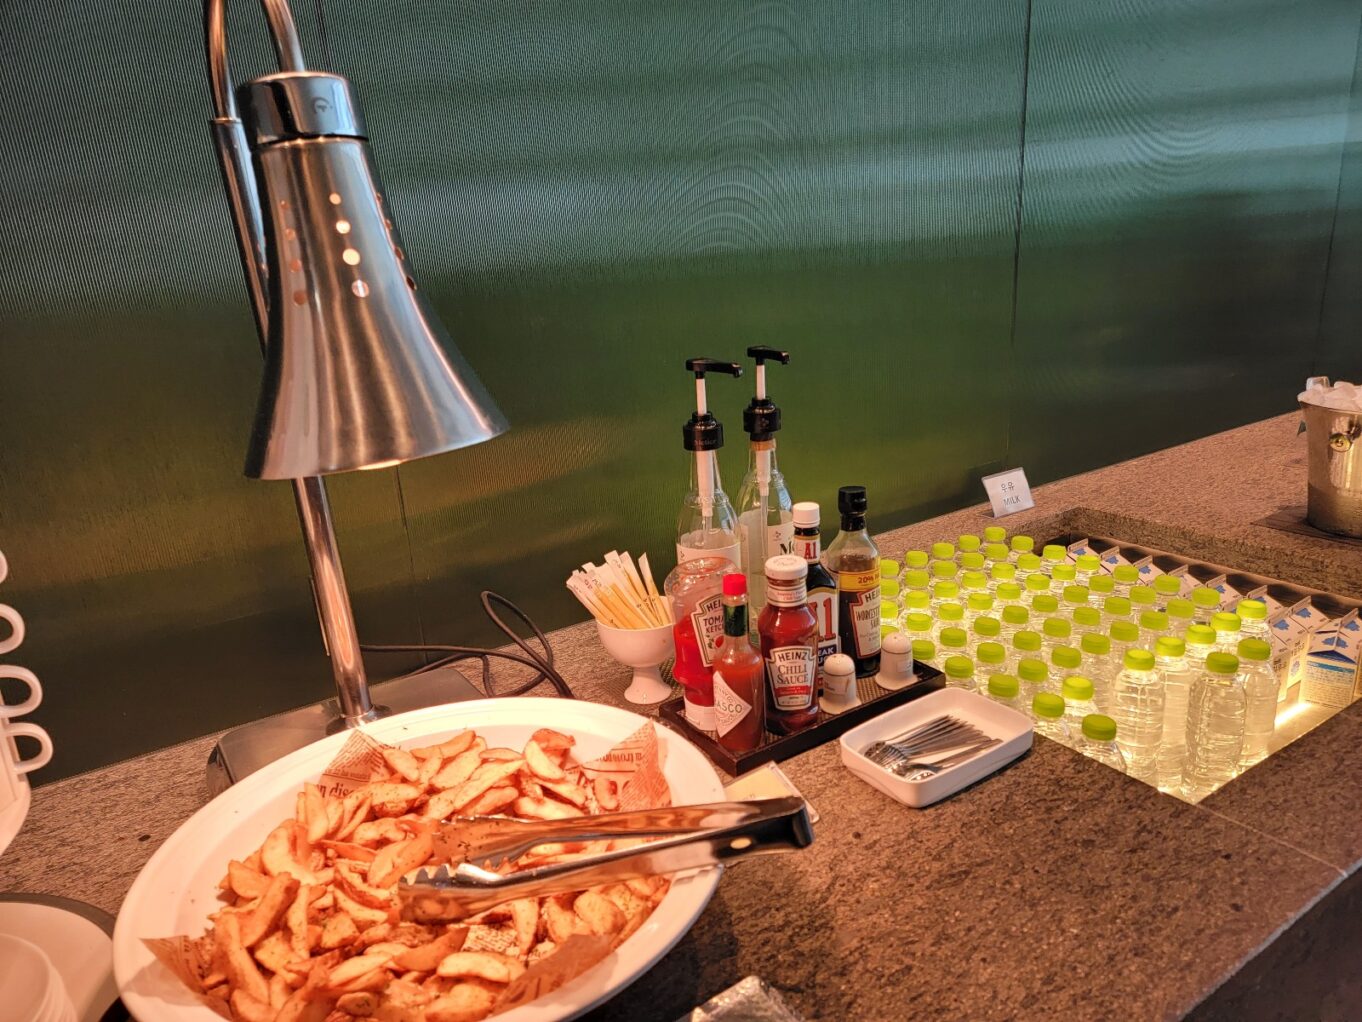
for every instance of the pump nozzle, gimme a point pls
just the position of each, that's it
(704, 434)
(761, 418)
(760, 353)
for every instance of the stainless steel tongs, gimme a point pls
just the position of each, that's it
(688, 837)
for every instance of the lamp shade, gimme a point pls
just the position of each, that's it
(359, 373)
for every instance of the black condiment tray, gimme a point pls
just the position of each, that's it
(828, 726)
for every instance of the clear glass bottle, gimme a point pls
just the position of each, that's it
(1181, 614)
(1099, 741)
(707, 525)
(1166, 587)
(1047, 710)
(1034, 677)
(1124, 635)
(1125, 576)
(1215, 727)
(1099, 667)
(959, 671)
(1065, 662)
(695, 589)
(1252, 619)
(1226, 625)
(1005, 689)
(991, 657)
(1025, 643)
(739, 676)
(1087, 621)
(1013, 619)
(984, 629)
(1019, 545)
(1153, 627)
(1176, 676)
(788, 634)
(1008, 594)
(765, 518)
(1207, 602)
(1138, 710)
(853, 559)
(1055, 632)
(924, 652)
(1260, 699)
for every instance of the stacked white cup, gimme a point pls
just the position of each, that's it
(14, 770)
(30, 987)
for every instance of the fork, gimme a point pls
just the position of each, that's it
(934, 767)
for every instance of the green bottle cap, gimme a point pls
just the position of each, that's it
(1254, 649)
(915, 559)
(1044, 603)
(1003, 686)
(1127, 574)
(1087, 617)
(1098, 727)
(1180, 608)
(967, 542)
(972, 561)
(994, 534)
(1167, 585)
(1077, 688)
(1102, 585)
(1023, 544)
(916, 578)
(1066, 657)
(1088, 563)
(1037, 583)
(1001, 571)
(1205, 596)
(996, 551)
(1009, 591)
(1047, 705)
(889, 588)
(1015, 615)
(1139, 660)
(1143, 596)
(1097, 645)
(1055, 553)
(1124, 631)
(917, 623)
(959, 667)
(1076, 594)
(945, 590)
(1057, 628)
(989, 626)
(980, 603)
(889, 609)
(1154, 621)
(1222, 663)
(887, 628)
(923, 650)
(943, 551)
(1032, 670)
(1063, 573)
(1028, 562)
(944, 569)
(1026, 641)
(889, 568)
(974, 580)
(1116, 606)
(1252, 610)
(991, 653)
(1200, 635)
(950, 612)
(1225, 621)
(916, 599)
(1170, 646)
(953, 638)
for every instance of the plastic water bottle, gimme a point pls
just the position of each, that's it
(1099, 667)
(972, 582)
(992, 658)
(978, 605)
(1181, 614)
(1053, 554)
(944, 571)
(1008, 594)
(1226, 625)
(1166, 587)
(917, 625)
(1252, 619)
(959, 671)
(1020, 545)
(1260, 699)
(915, 560)
(1200, 641)
(943, 592)
(1124, 635)
(1153, 627)
(1077, 693)
(1086, 566)
(889, 586)
(924, 652)
(995, 553)
(970, 560)
(1047, 710)
(943, 551)
(1170, 660)
(1101, 585)
(1014, 619)
(1063, 576)
(1055, 631)
(984, 629)
(1044, 605)
(952, 642)
(890, 611)
(1125, 576)
(1086, 621)
(1025, 643)
(1001, 573)
(1034, 676)
(1036, 584)
(995, 534)
(1115, 608)
(1138, 709)
(1064, 661)
(1003, 688)
(1207, 602)
(1099, 741)
(1215, 727)
(917, 601)
(1027, 565)
(1075, 596)
(948, 615)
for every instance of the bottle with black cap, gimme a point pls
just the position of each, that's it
(854, 561)
(765, 519)
(707, 526)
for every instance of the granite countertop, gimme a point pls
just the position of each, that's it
(1056, 889)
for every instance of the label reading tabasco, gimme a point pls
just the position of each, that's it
(859, 593)
(708, 619)
(729, 707)
(790, 671)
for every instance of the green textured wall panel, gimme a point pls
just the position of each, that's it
(1340, 348)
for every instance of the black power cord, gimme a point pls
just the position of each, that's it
(531, 657)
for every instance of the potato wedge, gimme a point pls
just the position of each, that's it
(395, 860)
(540, 765)
(486, 965)
(261, 919)
(457, 770)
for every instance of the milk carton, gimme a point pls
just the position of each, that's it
(1112, 559)
(1330, 674)
(1288, 639)
(1274, 606)
(1148, 571)
(1079, 547)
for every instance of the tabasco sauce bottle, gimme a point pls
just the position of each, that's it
(789, 646)
(854, 560)
(739, 676)
(822, 587)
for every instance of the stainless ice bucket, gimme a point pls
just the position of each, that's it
(1334, 497)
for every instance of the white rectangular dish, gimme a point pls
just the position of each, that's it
(1012, 729)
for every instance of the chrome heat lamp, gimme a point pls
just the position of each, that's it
(359, 374)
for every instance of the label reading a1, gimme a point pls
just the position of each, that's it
(1008, 492)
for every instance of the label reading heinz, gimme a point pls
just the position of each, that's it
(729, 707)
(708, 619)
(859, 594)
(790, 673)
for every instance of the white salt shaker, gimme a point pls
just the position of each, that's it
(896, 662)
(839, 684)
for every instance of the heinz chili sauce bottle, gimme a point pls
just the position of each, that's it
(789, 646)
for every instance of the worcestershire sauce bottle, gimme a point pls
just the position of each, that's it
(853, 559)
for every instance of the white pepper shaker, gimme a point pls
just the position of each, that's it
(839, 684)
(896, 662)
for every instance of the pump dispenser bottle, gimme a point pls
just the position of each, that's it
(707, 526)
(765, 520)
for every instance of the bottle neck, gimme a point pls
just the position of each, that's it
(809, 544)
(735, 616)
(786, 592)
(704, 474)
(761, 463)
(853, 523)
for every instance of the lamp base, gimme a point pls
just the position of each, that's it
(248, 748)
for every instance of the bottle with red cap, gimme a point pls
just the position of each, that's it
(789, 646)
(739, 676)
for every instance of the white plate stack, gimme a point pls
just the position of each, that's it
(30, 987)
